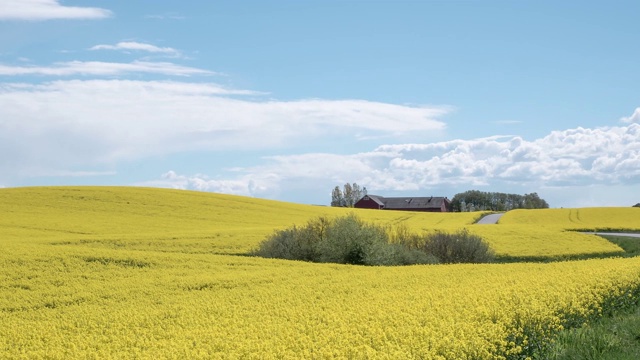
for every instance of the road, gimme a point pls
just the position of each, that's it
(490, 219)
(493, 219)
(615, 234)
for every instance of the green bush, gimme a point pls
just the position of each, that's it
(458, 247)
(349, 240)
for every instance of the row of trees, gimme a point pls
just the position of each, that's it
(347, 197)
(474, 200)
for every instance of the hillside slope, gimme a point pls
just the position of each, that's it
(150, 217)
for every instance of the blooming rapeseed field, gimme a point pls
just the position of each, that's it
(148, 273)
(587, 219)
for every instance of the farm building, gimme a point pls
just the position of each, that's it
(432, 204)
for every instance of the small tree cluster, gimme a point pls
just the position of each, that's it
(349, 240)
(347, 197)
(636, 205)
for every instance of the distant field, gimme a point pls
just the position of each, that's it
(148, 273)
(604, 218)
(554, 232)
(185, 221)
(147, 218)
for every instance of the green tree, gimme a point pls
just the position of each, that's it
(348, 196)
(478, 200)
(337, 199)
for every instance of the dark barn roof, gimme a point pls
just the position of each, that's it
(408, 203)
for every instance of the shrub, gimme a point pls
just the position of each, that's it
(458, 247)
(295, 243)
(349, 240)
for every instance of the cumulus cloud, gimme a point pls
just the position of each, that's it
(100, 68)
(579, 158)
(634, 118)
(37, 10)
(136, 46)
(69, 124)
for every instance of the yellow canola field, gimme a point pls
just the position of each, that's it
(588, 219)
(172, 220)
(195, 222)
(153, 274)
(68, 301)
(541, 242)
(557, 232)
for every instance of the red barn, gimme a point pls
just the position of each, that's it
(431, 204)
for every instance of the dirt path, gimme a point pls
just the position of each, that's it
(489, 219)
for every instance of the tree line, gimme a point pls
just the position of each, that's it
(348, 196)
(471, 200)
(475, 200)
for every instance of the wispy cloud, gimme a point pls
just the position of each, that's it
(136, 46)
(38, 10)
(100, 68)
(71, 124)
(246, 186)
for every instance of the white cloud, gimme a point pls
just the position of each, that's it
(99, 68)
(136, 46)
(246, 186)
(574, 160)
(37, 10)
(64, 125)
(634, 118)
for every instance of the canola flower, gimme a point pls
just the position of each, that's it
(151, 274)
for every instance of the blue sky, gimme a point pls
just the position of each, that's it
(287, 99)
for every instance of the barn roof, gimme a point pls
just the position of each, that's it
(409, 203)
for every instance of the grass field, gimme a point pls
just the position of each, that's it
(148, 273)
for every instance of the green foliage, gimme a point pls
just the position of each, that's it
(347, 197)
(636, 205)
(344, 240)
(349, 240)
(459, 247)
(474, 200)
(451, 248)
(613, 337)
(630, 245)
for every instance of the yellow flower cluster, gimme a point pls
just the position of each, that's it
(153, 274)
